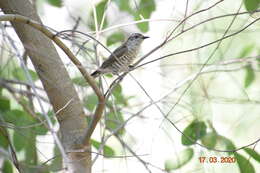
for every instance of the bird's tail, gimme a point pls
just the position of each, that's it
(96, 73)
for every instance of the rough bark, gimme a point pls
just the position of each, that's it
(56, 82)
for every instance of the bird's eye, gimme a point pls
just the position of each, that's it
(136, 36)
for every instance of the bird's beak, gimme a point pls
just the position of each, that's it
(145, 37)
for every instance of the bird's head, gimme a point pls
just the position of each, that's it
(135, 39)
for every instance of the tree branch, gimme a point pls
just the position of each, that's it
(101, 104)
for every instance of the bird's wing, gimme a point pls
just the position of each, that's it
(112, 58)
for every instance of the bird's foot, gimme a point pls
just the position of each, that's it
(131, 66)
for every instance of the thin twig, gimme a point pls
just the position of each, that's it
(4, 84)
(13, 81)
(100, 108)
(197, 48)
(166, 40)
(185, 14)
(206, 62)
(13, 158)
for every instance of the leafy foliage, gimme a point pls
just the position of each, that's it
(7, 167)
(253, 154)
(250, 76)
(179, 160)
(19, 74)
(56, 163)
(80, 81)
(115, 37)
(114, 117)
(123, 5)
(209, 140)
(24, 139)
(18, 118)
(108, 151)
(120, 99)
(225, 143)
(246, 51)
(144, 9)
(193, 132)
(100, 16)
(244, 164)
(56, 3)
(4, 103)
(251, 5)
(4, 143)
(91, 102)
(114, 121)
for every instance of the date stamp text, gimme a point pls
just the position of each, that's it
(214, 159)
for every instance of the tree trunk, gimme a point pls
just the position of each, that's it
(56, 82)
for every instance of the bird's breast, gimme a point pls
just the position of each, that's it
(121, 64)
(133, 52)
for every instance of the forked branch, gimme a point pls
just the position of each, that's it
(101, 100)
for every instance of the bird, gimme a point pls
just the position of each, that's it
(121, 58)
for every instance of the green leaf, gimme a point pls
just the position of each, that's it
(4, 143)
(251, 5)
(19, 140)
(195, 131)
(258, 59)
(7, 167)
(40, 130)
(244, 165)
(19, 74)
(30, 149)
(113, 121)
(109, 75)
(50, 114)
(250, 76)
(56, 163)
(246, 51)
(91, 102)
(56, 3)
(18, 118)
(118, 94)
(100, 10)
(107, 150)
(180, 160)
(34, 169)
(114, 38)
(226, 143)
(146, 7)
(209, 140)
(26, 140)
(253, 154)
(80, 81)
(123, 5)
(4, 103)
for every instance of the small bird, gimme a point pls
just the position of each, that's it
(122, 58)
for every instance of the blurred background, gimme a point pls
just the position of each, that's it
(203, 82)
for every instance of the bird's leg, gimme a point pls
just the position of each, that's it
(131, 66)
(118, 74)
(125, 68)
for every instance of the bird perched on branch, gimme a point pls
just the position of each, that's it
(121, 59)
